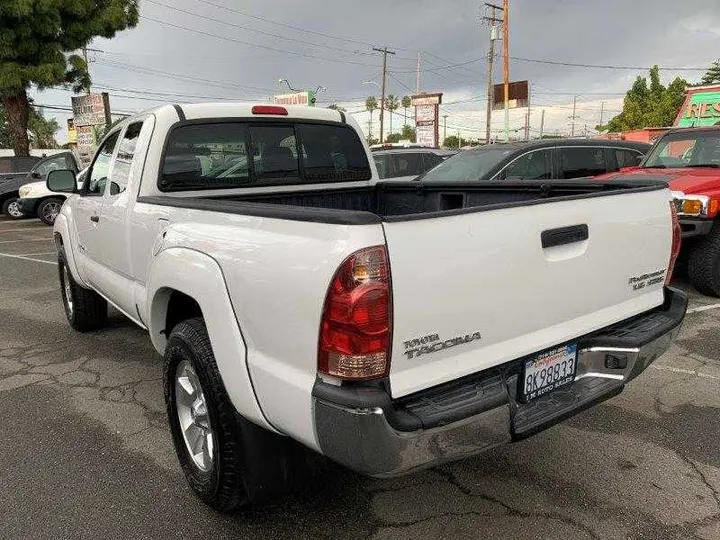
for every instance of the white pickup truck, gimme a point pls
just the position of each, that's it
(388, 326)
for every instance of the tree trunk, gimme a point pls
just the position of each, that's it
(17, 110)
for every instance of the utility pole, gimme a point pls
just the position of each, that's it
(458, 140)
(369, 138)
(602, 111)
(542, 123)
(385, 52)
(444, 127)
(573, 117)
(419, 69)
(87, 66)
(506, 54)
(491, 21)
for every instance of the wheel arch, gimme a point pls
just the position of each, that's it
(61, 237)
(185, 283)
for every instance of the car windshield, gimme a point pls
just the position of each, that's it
(467, 166)
(680, 150)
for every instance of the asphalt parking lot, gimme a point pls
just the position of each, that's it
(85, 451)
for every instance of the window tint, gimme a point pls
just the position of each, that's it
(577, 162)
(628, 158)
(123, 161)
(530, 166)
(56, 163)
(6, 165)
(432, 160)
(238, 154)
(97, 178)
(468, 166)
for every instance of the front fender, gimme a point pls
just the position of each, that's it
(61, 232)
(200, 277)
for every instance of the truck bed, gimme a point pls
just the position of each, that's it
(402, 201)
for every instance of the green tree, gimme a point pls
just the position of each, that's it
(712, 75)
(648, 106)
(392, 104)
(452, 142)
(337, 107)
(406, 104)
(42, 130)
(37, 40)
(409, 133)
(371, 104)
(393, 138)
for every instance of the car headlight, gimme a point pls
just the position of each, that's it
(24, 191)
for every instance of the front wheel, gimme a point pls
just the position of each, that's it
(49, 209)
(704, 263)
(11, 208)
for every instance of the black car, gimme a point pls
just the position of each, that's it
(13, 173)
(539, 160)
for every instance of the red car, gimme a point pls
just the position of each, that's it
(690, 160)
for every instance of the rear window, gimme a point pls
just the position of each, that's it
(227, 155)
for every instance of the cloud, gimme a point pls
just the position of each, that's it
(245, 61)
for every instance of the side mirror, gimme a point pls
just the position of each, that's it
(61, 181)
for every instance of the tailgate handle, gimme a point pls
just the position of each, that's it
(564, 235)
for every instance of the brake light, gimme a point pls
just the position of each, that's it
(356, 322)
(676, 242)
(270, 109)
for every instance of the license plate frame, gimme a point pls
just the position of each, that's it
(548, 371)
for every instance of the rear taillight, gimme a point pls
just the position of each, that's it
(356, 322)
(676, 241)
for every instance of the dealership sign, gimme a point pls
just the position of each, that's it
(701, 108)
(427, 107)
(299, 98)
(91, 109)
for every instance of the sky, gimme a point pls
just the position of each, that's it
(210, 50)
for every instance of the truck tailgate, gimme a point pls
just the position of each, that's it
(476, 289)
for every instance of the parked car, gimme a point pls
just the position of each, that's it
(689, 159)
(38, 173)
(539, 160)
(13, 173)
(37, 200)
(389, 326)
(407, 163)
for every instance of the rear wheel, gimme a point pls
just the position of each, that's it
(11, 208)
(49, 209)
(228, 461)
(86, 310)
(704, 263)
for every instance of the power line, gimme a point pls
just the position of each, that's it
(248, 43)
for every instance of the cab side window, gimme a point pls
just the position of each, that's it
(582, 161)
(123, 162)
(628, 158)
(531, 166)
(55, 163)
(97, 176)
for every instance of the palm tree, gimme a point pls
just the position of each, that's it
(371, 104)
(391, 105)
(406, 104)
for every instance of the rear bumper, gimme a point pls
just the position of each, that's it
(363, 429)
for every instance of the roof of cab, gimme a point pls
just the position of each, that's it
(196, 111)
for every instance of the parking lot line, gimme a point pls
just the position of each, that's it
(18, 241)
(685, 372)
(703, 308)
(27, 258)
(37, 253)
(20, 230)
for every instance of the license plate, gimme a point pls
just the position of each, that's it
(548, 371)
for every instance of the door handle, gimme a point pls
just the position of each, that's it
(94, 219)
(564, 235)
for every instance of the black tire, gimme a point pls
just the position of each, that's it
(86, 310)
(10, 209)
(704, 263)
(249, 465)
(49, 209)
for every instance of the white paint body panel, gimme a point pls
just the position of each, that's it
(487, 272)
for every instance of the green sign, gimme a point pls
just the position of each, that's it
(703, 109)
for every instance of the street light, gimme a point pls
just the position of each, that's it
(280, 81)
(373, 82)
